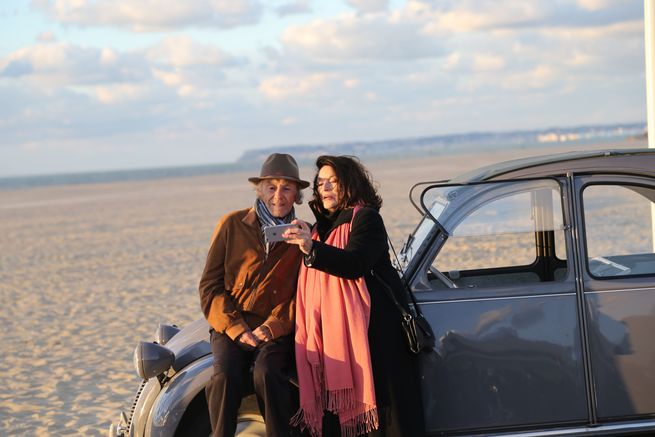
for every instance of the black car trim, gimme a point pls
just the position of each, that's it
(581, 307)
(426, 210)
(621, 290)
(583, 185)
(600, 430)
(495, 171)
(478, 299)
(512, 430)
(418, 184)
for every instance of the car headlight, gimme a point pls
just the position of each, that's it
(165, 333)
(151, 359)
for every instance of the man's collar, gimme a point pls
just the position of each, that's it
(251, 218)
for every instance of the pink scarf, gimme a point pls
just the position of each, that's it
(332, 353)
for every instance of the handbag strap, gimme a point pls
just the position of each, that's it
(406, 316)
(403, 280)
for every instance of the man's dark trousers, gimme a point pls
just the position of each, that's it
(271, 363)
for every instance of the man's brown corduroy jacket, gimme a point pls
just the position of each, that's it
(243, 288)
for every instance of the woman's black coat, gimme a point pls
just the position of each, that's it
(395, 371)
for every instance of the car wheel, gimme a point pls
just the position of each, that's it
(195, 421)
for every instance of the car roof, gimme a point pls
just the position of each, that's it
(632, 161)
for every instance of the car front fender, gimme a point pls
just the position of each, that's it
(175, 397)
(145, 397)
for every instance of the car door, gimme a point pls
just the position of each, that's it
(495, 279)
(617, 218)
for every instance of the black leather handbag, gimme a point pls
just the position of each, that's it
(420, 337)
(418, 332)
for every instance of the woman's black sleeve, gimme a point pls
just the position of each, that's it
(367, 243)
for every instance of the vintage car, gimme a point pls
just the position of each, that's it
(538, 278)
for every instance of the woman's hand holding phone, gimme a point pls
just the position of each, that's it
(276, 233)
(300, 235)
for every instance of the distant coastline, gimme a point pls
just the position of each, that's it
(372, 150)
(101, 177)
(462, 143)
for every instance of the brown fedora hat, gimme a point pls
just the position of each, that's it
(280, 166)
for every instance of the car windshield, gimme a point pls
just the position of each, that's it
(460, 210)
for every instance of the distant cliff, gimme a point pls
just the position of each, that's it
(446, 144)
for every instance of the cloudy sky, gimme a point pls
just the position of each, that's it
(108, 84)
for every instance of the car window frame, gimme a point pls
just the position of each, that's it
(619, 179)
(417, 270)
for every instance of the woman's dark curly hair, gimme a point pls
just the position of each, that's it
(354, 182)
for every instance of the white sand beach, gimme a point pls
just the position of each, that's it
(86, 271)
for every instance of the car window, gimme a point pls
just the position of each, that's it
(506, 237)
(619, 226)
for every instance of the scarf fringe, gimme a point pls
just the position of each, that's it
(304, 420)
(339, 400)
(363, 423)
(365, 420)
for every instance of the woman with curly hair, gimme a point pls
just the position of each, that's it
(355, 371)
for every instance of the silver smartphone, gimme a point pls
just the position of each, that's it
(274, 233)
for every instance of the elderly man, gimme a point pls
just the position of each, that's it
(247, 293)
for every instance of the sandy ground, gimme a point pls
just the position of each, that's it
(86, 271)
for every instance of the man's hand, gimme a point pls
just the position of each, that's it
(263, 334)
(247, 340)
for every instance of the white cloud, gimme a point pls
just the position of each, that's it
(539, 77)
(108, 56)
(366, 6)
(351, 37)
(62, 64)
(152, 15)
(594, 5)
(293, 8)
(284, 87)
(45, 37)
(579, 59)
(458, 17)
(452, 61)
(469, 16)
(194, 70)
(371, 96)
(182, 51)
(115, 93)
(487, 62)
(596, 50)
(289, 121)
(189, 68)
(169, 78)
(625, 29)
(188, 90)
